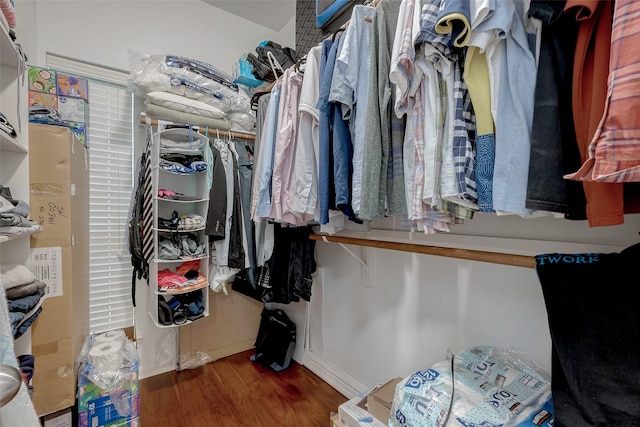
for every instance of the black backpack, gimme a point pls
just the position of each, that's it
(276, 340)
(261, 67)
(138, 261)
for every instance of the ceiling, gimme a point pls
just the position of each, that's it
(273, 14)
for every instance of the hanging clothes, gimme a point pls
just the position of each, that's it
(594, 336)
(512, 71)
(614, 152)
(281, 191)
(354, 63)
(382, 163)
(305, 174)
(605, 202)
(554, 148)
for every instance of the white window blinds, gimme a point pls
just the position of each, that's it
(110, 137)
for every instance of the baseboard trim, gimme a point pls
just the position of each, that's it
(332, 375)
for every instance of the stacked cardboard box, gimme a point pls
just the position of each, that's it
(371, 408)
(59, 200)
(68, 95)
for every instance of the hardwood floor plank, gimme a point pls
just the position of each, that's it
(237, 392)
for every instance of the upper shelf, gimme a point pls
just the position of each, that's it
(11, 144)
(8, 53)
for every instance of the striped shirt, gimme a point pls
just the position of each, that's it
(614, 151)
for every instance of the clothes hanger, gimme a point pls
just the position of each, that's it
(275, 65)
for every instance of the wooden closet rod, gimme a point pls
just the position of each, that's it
(470, 254)
(203, 129)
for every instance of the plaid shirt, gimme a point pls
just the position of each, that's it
(614, 152)
(456, 171)
(402, 67)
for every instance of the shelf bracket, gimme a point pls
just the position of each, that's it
(343, 246)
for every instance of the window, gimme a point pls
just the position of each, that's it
(110, 137)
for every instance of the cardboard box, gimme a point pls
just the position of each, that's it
(59, 200)
(335, 421)
(96, 408)
(353, 413)
(379, 401)
(59, 419)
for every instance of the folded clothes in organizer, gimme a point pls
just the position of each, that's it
(26, 324)
(26, 303)
(7, 127)
(185, 278)
(163, 113)
(14, 220)
(27, 289)
(190, 222)
(14, 275)
(16, 231)
(193, 167)
(171, 195)
(10, 205)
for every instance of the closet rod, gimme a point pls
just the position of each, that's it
(469, 254)
(203, 129)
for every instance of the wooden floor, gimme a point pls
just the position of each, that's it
(237, 392)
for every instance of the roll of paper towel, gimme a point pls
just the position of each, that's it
(106, 355)
(109, 336)
(116, 338)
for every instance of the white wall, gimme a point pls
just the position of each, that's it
(405, 311)
(102, 32)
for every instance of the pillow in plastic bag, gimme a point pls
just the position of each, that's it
(185, 77)
(184, 104)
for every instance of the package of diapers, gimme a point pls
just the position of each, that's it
(480, 387)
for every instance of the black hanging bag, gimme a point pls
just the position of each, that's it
(276, 340)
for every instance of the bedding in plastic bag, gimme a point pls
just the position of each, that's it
(186, 77)
(491, 387)
(242, 122)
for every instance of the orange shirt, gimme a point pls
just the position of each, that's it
(605, 201)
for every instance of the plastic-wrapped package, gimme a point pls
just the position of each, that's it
(186, 77)
(194, 360)
(481, 386)
(242, 122)
(107, 360)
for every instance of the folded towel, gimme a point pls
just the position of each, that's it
(13, 275)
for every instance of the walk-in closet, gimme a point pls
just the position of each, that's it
(354, 213)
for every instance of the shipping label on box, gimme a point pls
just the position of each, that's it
(42, 79)
(46, 265)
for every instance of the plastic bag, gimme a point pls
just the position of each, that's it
(487, 387)
(242, 122)
(108, 361)
(186, 77)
